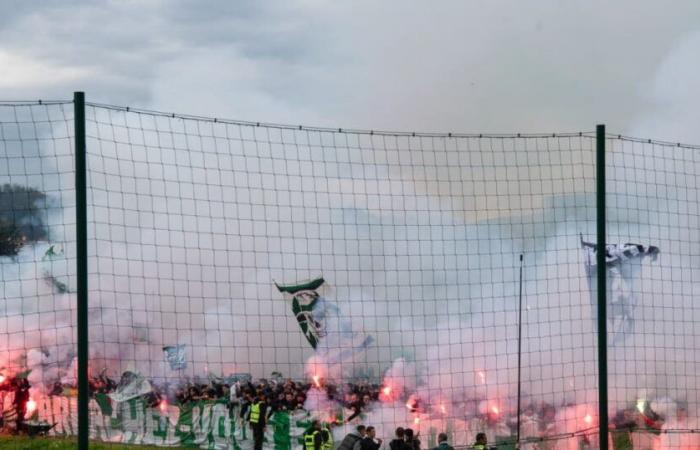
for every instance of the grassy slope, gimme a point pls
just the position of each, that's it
(23, 442)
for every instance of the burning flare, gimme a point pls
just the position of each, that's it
(386, 394)
(641, 403)
(31, 405)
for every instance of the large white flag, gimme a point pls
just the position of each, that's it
(623, 269)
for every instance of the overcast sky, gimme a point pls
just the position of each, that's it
(470, 66)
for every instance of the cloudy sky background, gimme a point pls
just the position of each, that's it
(491, 66)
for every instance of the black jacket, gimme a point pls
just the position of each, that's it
(399, 444)
(369, 444)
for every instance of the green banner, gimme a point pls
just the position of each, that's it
(200, 424)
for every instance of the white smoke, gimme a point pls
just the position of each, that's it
(420, 237)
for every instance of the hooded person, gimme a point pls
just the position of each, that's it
(353, 440)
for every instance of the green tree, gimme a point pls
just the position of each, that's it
(20, 217)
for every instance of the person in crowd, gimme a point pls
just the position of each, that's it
(442, 443)
(399, 442)
(290, 401)
(481, 442)
(313, 439)
(353, 440)
(326, 437)
(412, 442)
(20, 402)
(257, 418)
(370, 441)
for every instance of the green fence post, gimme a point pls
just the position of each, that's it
(602, 290)
(82, 269)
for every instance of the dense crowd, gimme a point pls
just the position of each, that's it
(289, 395)
(277, 394)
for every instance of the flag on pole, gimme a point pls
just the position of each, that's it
(623, 264)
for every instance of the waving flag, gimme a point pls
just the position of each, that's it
(329, 332)
(175, 355)
(131, 385)
(52, 252)
(304, 301)
(623, 265)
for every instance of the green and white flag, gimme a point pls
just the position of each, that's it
(132, 386)
(328, 331)
(305, 298)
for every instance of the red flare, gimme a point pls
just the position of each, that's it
(163, 405)
(495, 410)
(31, 405)
(416, 420)
(316, 381)
(387, 390)
(2, 378)
(588, 419)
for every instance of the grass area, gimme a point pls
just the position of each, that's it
(24, 442)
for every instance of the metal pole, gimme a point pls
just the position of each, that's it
(601, 271)
(82, 269)
(520, 333)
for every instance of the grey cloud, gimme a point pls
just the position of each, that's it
(478, 66)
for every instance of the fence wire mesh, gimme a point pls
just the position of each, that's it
(348, 276)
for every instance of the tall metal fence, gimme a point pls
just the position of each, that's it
(153, 263)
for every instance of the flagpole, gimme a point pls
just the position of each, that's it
(520, 332)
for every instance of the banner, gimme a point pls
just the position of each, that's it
(207, 424)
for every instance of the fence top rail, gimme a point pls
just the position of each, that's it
(590, 134)
(623, 137)
(34, 102)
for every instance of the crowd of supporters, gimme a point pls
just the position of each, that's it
(277, 394)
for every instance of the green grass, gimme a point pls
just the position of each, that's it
(37, 443)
